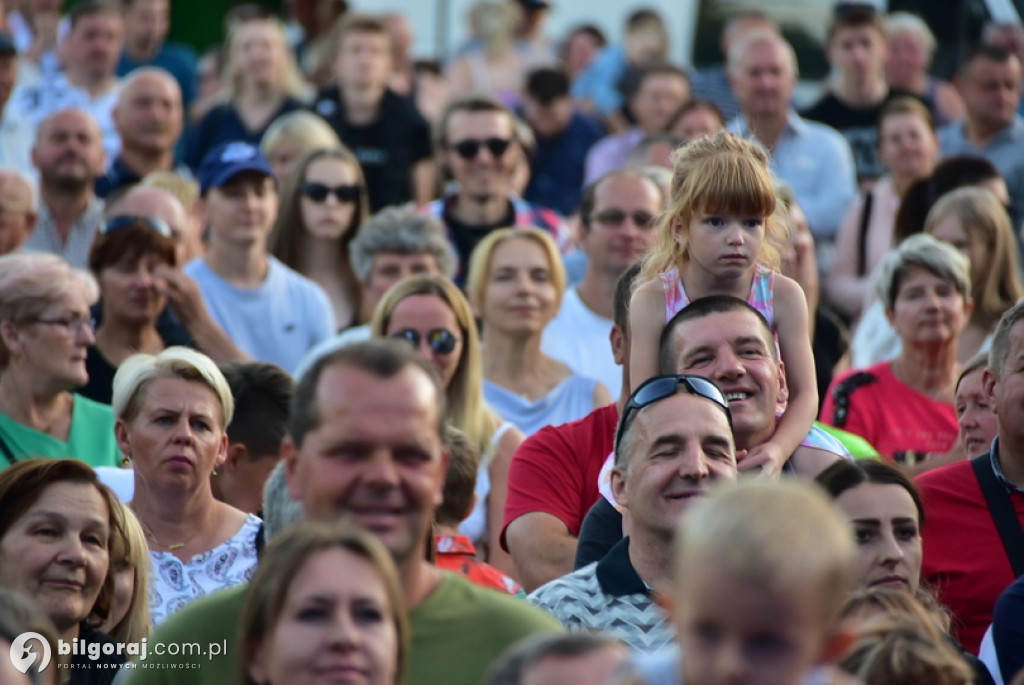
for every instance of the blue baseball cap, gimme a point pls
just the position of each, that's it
(225, 161)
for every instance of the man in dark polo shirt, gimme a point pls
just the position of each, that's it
(388, 135)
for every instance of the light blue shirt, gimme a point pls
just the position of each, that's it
(1005, 149)
(279, 321)
(816, 162)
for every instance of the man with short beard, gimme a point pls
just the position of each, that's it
(148, 117)
(146, 23)
(68, 153)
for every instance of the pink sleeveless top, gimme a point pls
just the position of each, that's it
(761, 297)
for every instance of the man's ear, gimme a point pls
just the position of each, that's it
(618, 478)
(238, 453)
(290, 457)
(445, 461)
(783, 386)
(618, 341)
(988, 385)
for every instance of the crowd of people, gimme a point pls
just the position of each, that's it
(544, 362)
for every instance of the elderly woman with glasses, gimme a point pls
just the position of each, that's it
(45, 333)
(135, 260)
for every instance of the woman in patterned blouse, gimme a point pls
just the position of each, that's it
(172, 413)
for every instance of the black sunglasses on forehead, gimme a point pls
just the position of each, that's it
(660, 387)
(117, 223)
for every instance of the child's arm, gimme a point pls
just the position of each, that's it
(791, 321)
(646, 321)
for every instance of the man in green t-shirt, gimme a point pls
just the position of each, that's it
(364, 446)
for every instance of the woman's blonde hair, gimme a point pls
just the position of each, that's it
(289, 235)
(282, 561)
(186, 190)
(480, 262)
(136, 623)
(984, 219)
(725, 174)
(467, 409)
(137, 372)
(291, 81)
(32, 281)
(306, 129)
(895, 652)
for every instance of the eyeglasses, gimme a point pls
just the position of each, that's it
(470, 147)
(615, 217)
(440, 340)
(318, 192)
(661, 387)
(73, 324)
(116, 223)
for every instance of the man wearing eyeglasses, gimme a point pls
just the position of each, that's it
(479, 150)
(673, 444)
(616, 230)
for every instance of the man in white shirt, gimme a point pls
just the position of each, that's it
(616, 229)
(272, 313)
(90, 50)
(15, 131)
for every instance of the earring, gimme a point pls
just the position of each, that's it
(126, 461)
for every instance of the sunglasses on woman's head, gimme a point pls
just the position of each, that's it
(440, 340)
(318, 192)
(661, 387)
(470, 147)
(116, 223)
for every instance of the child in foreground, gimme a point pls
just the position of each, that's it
(761, 571)
(719, 237)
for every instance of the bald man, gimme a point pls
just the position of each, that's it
(68, 152)
(148, 117)
(149, 201)
(17, 210)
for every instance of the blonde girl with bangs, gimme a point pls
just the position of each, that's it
(720, 236)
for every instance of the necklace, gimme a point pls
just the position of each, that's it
(176, 545)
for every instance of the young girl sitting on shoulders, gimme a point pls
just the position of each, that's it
(719, 237)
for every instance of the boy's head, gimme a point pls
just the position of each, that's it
(239, 194)
(362, 52)
(460, 479)
(723, 174)
(856, 45)
(761, 570)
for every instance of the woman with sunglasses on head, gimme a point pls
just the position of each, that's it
(323, 204)
(135, 260)
(434, 316)
(45, 332)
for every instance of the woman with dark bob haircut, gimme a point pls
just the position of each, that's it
(61, 530)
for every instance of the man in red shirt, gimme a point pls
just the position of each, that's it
(965, 559)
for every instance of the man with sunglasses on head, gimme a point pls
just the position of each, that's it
(725, 339)
(478, 148)
(674, 443)
(271, 312)
(617, 229)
